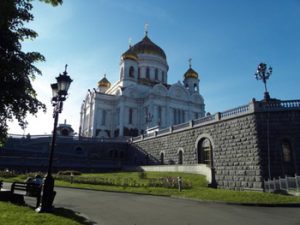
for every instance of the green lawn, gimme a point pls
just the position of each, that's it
(131, 182)
(16, 215)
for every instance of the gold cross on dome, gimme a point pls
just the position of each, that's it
(129, 41)
(146, 28)
(190, 62)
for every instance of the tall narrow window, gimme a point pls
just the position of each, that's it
(196, 115)
(174, 116)
(131, 71)
(148, 73)
(163, 76)
(103, 118)
(180, 157)
(130, 115)
(139, 72)
(195, 87)
(162, 158)
(156, 74)
(159, 115)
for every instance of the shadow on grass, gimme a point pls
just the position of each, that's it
(70, 214)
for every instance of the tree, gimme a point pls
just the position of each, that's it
(17, 69)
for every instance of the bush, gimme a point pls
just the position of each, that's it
(7, 174)
(142, 175)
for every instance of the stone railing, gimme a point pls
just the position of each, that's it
(181, 126)
(234, 112)
(253, 106)
(164, 131)
(203, 119)
(279, 105)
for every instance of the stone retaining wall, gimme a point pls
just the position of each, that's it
(247, 142)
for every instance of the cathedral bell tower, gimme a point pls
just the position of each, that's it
(129, 66)
(191, 80)
(103, 84)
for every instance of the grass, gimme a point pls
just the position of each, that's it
(16, 215)
(199, 189)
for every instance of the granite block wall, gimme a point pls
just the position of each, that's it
(235, 150)
(247, 149)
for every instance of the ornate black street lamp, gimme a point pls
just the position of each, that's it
(59, 93)
(262, 73)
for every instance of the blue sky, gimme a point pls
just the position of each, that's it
(225, 39)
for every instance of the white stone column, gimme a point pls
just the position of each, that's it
(121, 119)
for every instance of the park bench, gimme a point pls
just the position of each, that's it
(20, 189)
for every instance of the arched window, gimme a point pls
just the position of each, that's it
(131, 71)
(156, 74)
(162, 158)
(139, 72)
(195, 87)
(148, 73)
(180, 157)
(204, 151)
(65, 132)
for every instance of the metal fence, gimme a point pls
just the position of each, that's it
(287, 184)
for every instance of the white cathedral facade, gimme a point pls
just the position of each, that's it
(141, 98)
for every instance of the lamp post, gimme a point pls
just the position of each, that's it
(262, 73)
(59, 94)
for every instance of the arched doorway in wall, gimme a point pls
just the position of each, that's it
(204, 151)
(204, 146)
(180, 152)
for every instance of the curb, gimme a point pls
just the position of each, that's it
(112, 191)
(292, 205)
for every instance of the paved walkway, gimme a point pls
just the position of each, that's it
(108, 208)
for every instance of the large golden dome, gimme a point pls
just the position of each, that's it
(146, 46)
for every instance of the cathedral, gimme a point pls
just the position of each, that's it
(142, 99)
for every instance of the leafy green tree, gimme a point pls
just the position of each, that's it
(17, 69)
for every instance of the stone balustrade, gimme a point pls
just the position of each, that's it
(253, 106)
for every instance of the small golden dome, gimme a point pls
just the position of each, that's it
(104, 82)
(190, 73)
(130, 54)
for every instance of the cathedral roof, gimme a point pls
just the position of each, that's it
(148, 47)
(104, 82)
(190, 73)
